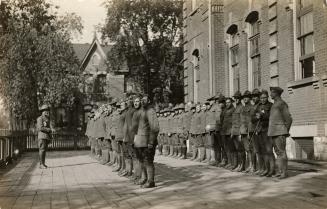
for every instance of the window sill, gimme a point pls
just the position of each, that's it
(303, 83)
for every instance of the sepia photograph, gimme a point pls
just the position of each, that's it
(163, 104)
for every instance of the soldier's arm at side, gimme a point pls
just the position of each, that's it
(40, 126)
(287, 116)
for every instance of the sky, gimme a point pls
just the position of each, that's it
(91, 11)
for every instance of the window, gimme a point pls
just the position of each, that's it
(254, 41)
(273, 69)
(234, 39)
(234, 55)
(100, 84)
(272, 26)
(254, 28)
(306, 39)
(256, 72)
(272, 11)
(236, 78)
(95, 59)
(273, 54)
(273, 40)
(253, 20)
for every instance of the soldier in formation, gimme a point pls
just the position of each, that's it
(239, 133)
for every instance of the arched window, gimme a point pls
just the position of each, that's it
(95, 59)
(252, 20)
(234, 56)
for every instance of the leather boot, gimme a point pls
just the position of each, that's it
(183, 152)
(176, 152)
(202, 154)
(160, 149)
(194, 153)
(235, 161)
(229, 160)
(239, 163)
(254, 162)
(213, 156)
(105, 157)
(150, 173)
(283, 168)
(171, 151)
(208, 155)
(271, 165)
(144, 176)
(265, 166)
(278, 168)
(261, 163)
(119, 164)
(180, 151)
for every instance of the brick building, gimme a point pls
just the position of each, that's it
(244, 44)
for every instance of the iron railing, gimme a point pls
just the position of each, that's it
(14, 143)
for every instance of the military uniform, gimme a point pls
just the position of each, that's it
(265, 145)
(226, 131)
(129, 140)
(239, 156)
(201, 134)
(192, 133)
(185, 122)
(280, 122)
(43, 135)
(245, 117)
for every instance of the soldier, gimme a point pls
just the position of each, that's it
(104, 142)
(253, 132)
(192, 132)
(245, 132)
(160, 136)
(265, 145)
(217, 109)
(201, 132)
(185, 124)
(128, 140)
(120, 136)
(89, 132)
(173, 130)
(226, 133)
(150, 151)
(163, 130)
(239, 156)
(280, 122)
(108, 124)
(145, 128)
(43, 134)
(170, 131)
(179, 129)
(210, 128)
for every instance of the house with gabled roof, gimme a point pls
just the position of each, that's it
(99, 86)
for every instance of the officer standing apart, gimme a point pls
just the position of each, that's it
(43, 134)
(280, 122)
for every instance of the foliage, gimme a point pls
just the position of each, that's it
(148, 37)
(38, 64)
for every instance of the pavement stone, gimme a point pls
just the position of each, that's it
(74, 180)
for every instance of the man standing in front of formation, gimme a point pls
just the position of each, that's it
(280, 122)
(44, 134)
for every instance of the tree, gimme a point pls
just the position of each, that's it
(148, 36)
(39, 65)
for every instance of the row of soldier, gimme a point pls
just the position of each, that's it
(240, 133)
(240, 137)
(124, 135)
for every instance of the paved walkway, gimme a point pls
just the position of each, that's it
(75, 180)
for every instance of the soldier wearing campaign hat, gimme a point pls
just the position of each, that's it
(239, 156)
(280, 122)
(43, 133)
(218, 155)
(226, 133)
(265, 146)
(253, 130)
(245, 117)
(192, 131)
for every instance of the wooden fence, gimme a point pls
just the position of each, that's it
(14, 143)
